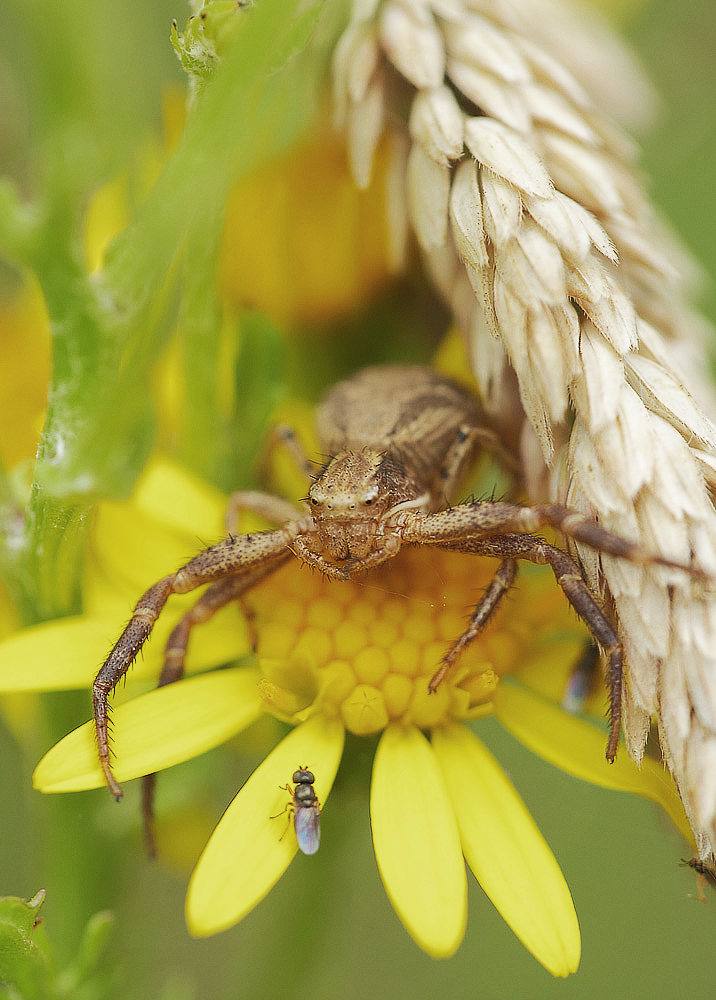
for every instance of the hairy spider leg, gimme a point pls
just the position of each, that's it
(216, 597)
(248, 557)
(499, 529)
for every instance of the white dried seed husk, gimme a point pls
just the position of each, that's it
(551, 109)
(548, 71)
(488, 93)
(589, 480)
(466, 220)
(477, 42)
(635, 246)
(539, 265)
(636, 723)
(577, 38)
(448, 10)
(613, 315)
(364, 127)
(507, 154)
(628, 443)
(443, 267)
(618, 145)
(428, 198)
(355, 60)
(501, 206)
(512, 321)
(482, 281)
(548, 361)
(597, 390)
(555, 215)
(413, 43)
(676, 481)
(396, 201)
(597, 234)
(706, 466)
(700, 770)
(580, 172)
(462, 297)
(436, 124)
(648, 615)
(666, 395)
(452, 280)
(674, 711)
(567, 329)
(587, 280)
(702, 625)
(703, 545)
(488, 364)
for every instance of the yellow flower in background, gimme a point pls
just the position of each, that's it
(301, 243)
(24, 372)
(336, 657)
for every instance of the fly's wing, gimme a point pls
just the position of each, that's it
(307, 823)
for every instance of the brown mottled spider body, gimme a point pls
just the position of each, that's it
(400, 439)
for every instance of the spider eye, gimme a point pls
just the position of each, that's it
(368, 502)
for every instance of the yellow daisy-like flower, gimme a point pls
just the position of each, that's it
(332, 658)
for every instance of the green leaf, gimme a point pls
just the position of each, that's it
(24, 964)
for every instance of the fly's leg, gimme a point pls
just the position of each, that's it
(288, 808)
(241, 556)
(217, 596)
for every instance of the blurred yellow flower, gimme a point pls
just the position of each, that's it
(301, 243)
(24, 372)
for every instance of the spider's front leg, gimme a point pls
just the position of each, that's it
(217, 596)
(244, 557)
(511, 547)
(500, 529)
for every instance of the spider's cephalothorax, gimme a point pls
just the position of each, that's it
(401, 437)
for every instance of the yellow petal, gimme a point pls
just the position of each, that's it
(171, 494)
(155, 731)
(251, 847)
(416, 841)
(134, 549)
(171, 516)
(577, 747)
(507, 852)
(65, 654)
(55, 656)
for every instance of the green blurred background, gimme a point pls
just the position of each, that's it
(327, 929)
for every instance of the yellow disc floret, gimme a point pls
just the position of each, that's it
(374, 643)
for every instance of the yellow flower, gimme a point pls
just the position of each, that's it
(333, 658)
(24, 372)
